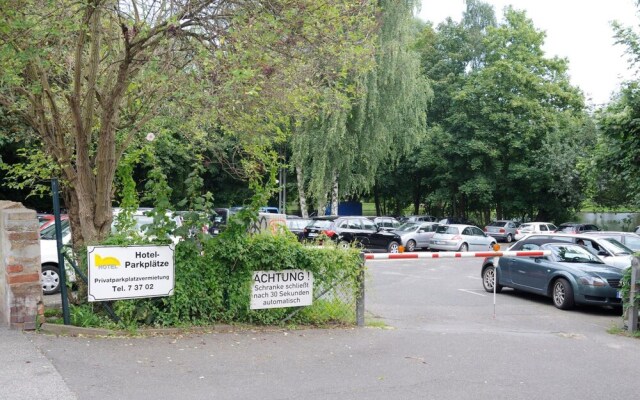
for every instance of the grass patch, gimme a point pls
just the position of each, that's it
(377, 323)
(616, 330)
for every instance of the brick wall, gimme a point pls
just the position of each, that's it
(21, 303)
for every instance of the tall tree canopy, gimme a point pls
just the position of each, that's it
(374, 118)
(88, 76)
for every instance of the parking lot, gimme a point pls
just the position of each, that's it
(431, 335)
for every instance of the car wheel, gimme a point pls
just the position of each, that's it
(509, 238)
(411, 245)
(488, 279)
(343, 244)
(463, 247)
(50, 279)
(393, 247)
(563, 294)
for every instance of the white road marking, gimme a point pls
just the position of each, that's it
(474, 277)
(471, 292)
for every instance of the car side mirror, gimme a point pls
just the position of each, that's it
(603, 253)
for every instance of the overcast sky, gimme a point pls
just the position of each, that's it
(576, 29)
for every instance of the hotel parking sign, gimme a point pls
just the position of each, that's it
(130, 272)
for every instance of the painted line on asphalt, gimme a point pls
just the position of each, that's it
(471, 292)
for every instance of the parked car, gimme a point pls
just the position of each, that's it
(46, 220)
(629, 239)
(270, 210)
(504, 230)
(346, 231)
(458, 237)
(50, 271)
(534, 227)
(296, 226)
(416, 235)
(570, 275)
(575, 227)
(419, 218)
(611, 251)
(637, 229)
(455, 220)
(387, 223)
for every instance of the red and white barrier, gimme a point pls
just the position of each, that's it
(453, 254)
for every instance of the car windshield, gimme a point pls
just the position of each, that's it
(571, 253)
(49, 233)
(452, 230)
(566, 228)
(408, 227)
(498, 223)
(615, 247)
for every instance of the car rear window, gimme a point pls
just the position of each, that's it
(526, 227)
(320, 223)
(497, 223)
(452, 230)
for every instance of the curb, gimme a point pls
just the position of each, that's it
(77, 331)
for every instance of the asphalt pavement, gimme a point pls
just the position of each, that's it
(436, 336)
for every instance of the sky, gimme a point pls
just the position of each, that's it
(578, 30)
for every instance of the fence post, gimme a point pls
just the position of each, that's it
(360, 296)
(632, 325)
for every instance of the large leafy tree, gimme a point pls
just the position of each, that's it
(500, 107)
(88, 76)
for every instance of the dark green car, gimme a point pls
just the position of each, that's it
(571, 275)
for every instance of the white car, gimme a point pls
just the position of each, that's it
(534, 227)
(609, 250)
(460, 238)
(49, 258)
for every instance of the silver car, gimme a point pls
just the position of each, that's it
(629, 239)
(416, 235)
(461, 238)
(504, 230)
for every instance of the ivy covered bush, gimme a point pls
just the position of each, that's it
(213, 281)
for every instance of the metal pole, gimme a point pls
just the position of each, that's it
(633, 309)
(61, 265)
(495, 283)
(360, 296)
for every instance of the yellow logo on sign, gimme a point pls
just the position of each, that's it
(106, 261)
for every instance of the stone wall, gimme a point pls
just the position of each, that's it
(21, 303)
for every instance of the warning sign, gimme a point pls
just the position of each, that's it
(277, 289)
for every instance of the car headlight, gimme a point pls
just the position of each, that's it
(592, 281)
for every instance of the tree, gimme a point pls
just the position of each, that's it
(375, 120)
(88, 76)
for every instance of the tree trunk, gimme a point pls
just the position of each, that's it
(302, 196)
(334, 194)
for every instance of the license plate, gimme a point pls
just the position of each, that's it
(312, 234)
(618, 294)
(440, 242)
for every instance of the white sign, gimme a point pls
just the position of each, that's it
(276, 289)
(130, 272)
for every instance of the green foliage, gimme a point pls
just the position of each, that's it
(213, 283)
(626, 289)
